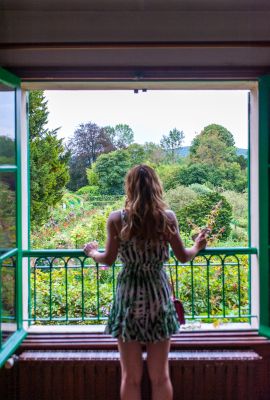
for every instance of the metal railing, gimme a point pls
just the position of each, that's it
(68, 288)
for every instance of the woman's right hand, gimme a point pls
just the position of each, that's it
(201, 239)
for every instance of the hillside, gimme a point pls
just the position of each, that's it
(184, 151)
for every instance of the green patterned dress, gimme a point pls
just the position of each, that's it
(142, 309)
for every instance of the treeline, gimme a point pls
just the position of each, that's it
(96, 159)
(213, 161)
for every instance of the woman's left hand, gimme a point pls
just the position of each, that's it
(90, 248)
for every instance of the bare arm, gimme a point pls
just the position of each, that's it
(181, 253)
(111, 247)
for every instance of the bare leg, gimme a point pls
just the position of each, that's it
(131, 368)
(158, 370)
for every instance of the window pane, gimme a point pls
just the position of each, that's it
(7, 211)
(8, 305)
(7, 125)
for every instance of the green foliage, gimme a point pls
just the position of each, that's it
(200, 189)
(154, 153)
(89, 191)
(48, 162)
(111, 169)
(7, 215)
(218, 131)
(49, 175)
(7, 150)
(234, 178)
(239, 203)
(92, 177)
(83, 298)
(121, 136)
(87, 143)
(193, 173)
(136, 154)
(180, 197)
(169, 175)
(199, 210)
(172, 141)
(214, 283)
(38, 114)
(77, 299)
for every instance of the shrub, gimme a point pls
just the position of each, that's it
(199, 210)
(239, 203)
(200, 189)
(179, 197)
(88, 190)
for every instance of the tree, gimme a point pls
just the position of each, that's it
(48, 161)
(193, 173)
(169, 175)
(214, 146)
(87, 143)
(136, 154)
(213, 129)
(111, 169)
(154, 152)
(121, 136)
(172, 141)
(213, 151)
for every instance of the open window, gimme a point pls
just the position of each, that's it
(11, 325)
(15, 254)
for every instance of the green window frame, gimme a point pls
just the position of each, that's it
(264, 223)
(10, 345)
(264, 232)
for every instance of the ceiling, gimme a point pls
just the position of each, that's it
(135, 39)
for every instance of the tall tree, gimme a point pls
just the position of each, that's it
(121, 135)
(111, 169)
(48, 161)
(213, 146)
(172, 141)
(154, 152)
(87, 143)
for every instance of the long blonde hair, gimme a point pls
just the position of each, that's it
(145, 210)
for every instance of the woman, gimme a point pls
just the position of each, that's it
(143, 311)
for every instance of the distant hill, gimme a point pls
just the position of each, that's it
(184, 151)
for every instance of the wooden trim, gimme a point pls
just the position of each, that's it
(138, 74)
(134, 45)
(184, 340)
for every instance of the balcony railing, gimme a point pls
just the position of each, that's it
(68, 288)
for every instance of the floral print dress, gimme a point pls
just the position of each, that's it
(142, 309)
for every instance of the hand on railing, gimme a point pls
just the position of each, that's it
(91, 248)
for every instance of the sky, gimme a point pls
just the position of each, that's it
(7, 109)
(151, 114)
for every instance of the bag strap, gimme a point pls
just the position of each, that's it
(172, 284)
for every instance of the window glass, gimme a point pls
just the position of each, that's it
(7, 125)
(8, 305)
(7, 211)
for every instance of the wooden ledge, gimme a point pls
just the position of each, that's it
(206, 340)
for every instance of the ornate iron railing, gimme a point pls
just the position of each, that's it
(69, 288)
